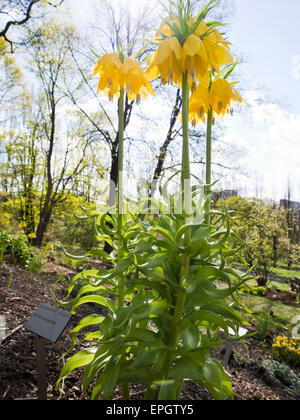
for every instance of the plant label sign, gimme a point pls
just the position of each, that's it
(48, 322)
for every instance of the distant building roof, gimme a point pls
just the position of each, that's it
(287, 204)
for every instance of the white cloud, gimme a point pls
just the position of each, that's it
(273, 138)
(296, 67)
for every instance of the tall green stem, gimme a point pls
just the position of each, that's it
(187, 212)
(120, 210)
(120, 203)
(186, 170)
(208, 165)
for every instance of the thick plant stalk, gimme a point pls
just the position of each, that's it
(120, 202)
(208, 166)
(187, 212)
(186, 170)
(120, 210)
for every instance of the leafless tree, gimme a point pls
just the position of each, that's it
(16, 13)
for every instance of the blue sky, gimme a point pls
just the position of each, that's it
(266, 35)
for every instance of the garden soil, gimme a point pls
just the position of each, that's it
(20, 294)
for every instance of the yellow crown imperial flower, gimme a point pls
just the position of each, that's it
(195, 49)
(134, 81)
(199, 104)
(115, 75)
(108, 68)
(166, 62)
(217, 49)
(218, 97)
(195, 61)
(32, 236)
(222, 93)
(165, 30)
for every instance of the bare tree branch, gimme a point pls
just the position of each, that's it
(26, 10)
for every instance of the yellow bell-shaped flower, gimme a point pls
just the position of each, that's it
(134, 81)
(219, 98)
(108, 68)
(164, 29)
(217, 49)
(115, 75)
(195, 50)
(199, 104)
(166, 62)
(221, 94)
(195, 60)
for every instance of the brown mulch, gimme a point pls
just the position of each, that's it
(282, 296)
(18, 357)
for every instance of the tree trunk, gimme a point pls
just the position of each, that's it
(48, 204)
(42, 227)
(163, 150)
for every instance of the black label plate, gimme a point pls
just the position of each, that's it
(48, 322)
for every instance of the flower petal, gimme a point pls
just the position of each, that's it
(192, 45)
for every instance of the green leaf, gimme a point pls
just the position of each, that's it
(84, 323)
(161, 290)
(209, 317)
(108, 381)
(211, 372)
(186, 369)
(165, 233)
(221, 308)
(191, 338)
(100, 300)
(183, 230)
(139, 375)
(80, 359)
(137, 335)
(146, 356)
(167, 391)
(72, 257)
(201, 233)
(143, 335)
(105, 355)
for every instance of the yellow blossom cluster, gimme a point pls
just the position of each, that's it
(198, 49)
(32, 236)
(288, 349)
(185, 46)
(218, 98)
(115, 75)
(197, 53)
(48, 248)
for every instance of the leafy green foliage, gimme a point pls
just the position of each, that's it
(263, 229)
(17, 247)
(79, 233)
(5, 242)
(170, 318)
(277, 370)
(265, 322)
(287, 350)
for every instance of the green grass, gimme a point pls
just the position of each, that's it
(259, 304)
(280, 286)
(285, 273)
(272, 284)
